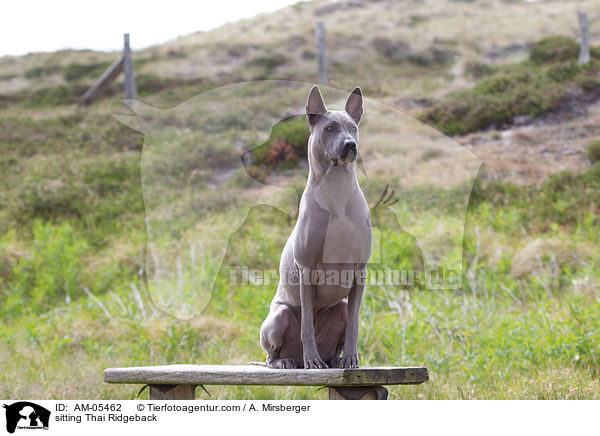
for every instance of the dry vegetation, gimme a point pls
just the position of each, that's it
(525, 323)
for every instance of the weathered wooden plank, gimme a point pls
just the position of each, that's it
(102, 83)
(256, 375)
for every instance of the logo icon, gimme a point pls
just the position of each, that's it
(26, 415)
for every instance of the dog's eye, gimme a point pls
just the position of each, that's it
(330, 128)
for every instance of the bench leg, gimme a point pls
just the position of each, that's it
(358, 393)
(172, 392)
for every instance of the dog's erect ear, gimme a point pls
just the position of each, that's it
(354, 104)
(315, 106)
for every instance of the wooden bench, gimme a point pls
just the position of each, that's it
(178, 382)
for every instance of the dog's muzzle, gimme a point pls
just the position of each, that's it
(350, 150)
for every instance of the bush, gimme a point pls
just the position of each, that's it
(495, 100)
(554, 49)
(523, 88)
(592, 151)
(286, 145)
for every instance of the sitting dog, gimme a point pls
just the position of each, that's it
(325, 258)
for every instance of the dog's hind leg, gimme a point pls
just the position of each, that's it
(280, 338)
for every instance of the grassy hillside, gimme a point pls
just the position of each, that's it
(525, 324)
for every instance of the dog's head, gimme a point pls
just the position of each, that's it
(334, 134)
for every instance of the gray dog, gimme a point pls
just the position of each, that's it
(325, 257)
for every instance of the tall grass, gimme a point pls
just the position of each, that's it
(527, 333)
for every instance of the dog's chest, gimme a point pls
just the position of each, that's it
(348, 235)
(348, 240)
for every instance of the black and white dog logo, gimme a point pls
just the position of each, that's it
(26, 415)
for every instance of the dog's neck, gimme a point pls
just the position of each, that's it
(332, 186)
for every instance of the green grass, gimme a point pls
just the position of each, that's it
(75, 71)
(505, 335)
(566, 199)
(525, 324)
(499, 345)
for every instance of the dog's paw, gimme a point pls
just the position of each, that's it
(335, 362)
(314, 362)
(287, 363)
(350, 361)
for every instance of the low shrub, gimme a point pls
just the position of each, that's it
(494, 100)
(554, 49)
(526, 88)
(286, 145)
(592, 151)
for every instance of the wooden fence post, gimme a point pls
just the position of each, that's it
(320, 33)
(130, 89)
(123, 63)
(103, 82)
(584, 51)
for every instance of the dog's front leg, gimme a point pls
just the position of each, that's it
(350, 357)
(308, 292)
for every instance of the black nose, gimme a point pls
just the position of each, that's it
(350, 146)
